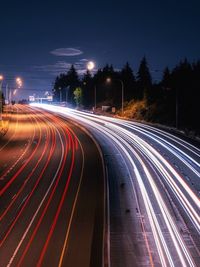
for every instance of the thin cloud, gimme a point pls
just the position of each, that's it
(84, 60)
(57, 68)
(66, 52)
(63, 66)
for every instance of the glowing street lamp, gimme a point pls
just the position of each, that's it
(109, 80)
(13, 91)
(19, 82)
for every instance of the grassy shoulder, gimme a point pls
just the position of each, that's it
(157, 115)
(140, 110)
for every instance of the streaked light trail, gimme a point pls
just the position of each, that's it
(157, 178)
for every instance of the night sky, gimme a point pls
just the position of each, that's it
(40, 39)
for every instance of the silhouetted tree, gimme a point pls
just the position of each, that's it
(179, 87)
(66, 83)
(128, 78)
(144, 80)
(73, 82)
(88, 89)
(58, 85)
(166, 78)
(105, 92)
(181, 83)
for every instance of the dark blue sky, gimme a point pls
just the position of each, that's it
(103, 31)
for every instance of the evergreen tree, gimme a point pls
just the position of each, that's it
(73, 82)
(166, 78)
(195, 96)
(105, 92)
(144, 80)
(59, 85)
(178, 87)
(128, 78)
(181, 83)
(88, 89)
(66, 83)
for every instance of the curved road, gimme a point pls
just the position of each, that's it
(159, 182)
(52, 200)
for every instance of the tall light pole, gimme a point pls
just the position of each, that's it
(177, 107)
(95, 97)
(13, 91)
(108, 80)
(19, 82)
(60, 94)
(1, 82)
(7, 96)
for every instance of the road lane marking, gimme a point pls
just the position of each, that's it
(73, 208)
(38, 209)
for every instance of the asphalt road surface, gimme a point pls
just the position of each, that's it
(154, 194)
(52, 193)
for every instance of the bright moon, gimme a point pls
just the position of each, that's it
(90, 65)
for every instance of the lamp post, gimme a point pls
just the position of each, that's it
(95, 97)
(1, 82)
(7, 96)
(108, 80)
(19, 84)
(177, 108)
(60, 94)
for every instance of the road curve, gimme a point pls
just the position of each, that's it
(52, 200)
(163, 180)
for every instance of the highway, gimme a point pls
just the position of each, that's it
(157, 190)
(52, 193)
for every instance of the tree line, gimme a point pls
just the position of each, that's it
(174, 100)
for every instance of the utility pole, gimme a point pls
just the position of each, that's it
(1, 82)
(60, 89)
(108, 80)
(177, 107)
(122, 84)
(95, 97)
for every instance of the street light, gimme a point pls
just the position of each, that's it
(1, 82)
(13, 91)
(60, 94)
(109, 80)
(19, 82)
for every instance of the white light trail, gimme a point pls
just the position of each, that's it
(131, 146)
